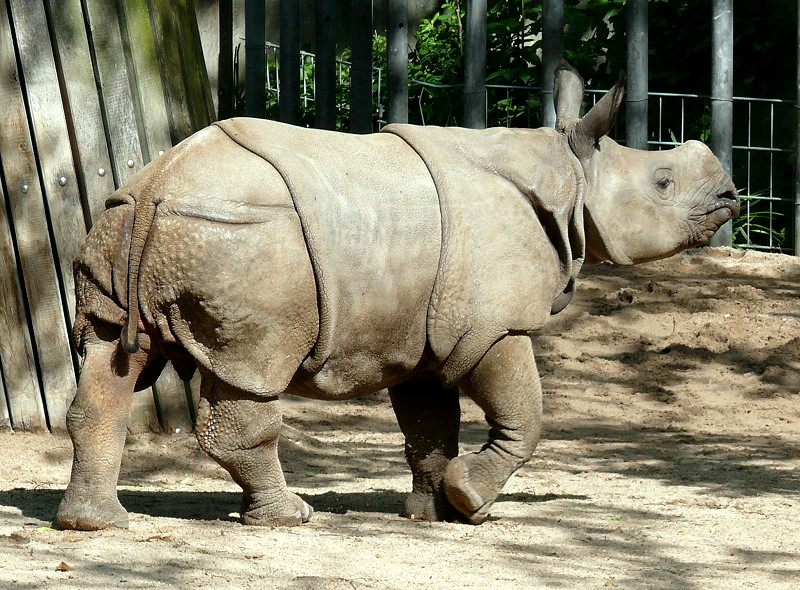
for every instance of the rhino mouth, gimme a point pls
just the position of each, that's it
(723, 207)
(729, 200)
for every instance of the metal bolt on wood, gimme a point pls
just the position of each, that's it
(101, 172)
(130, 163)
(62, 181)
(24, 188)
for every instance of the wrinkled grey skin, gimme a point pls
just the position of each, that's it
(281, 260)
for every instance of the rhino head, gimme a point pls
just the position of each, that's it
(640, 205)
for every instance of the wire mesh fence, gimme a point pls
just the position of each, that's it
(763, 151)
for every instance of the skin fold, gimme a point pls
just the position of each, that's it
(278, 260)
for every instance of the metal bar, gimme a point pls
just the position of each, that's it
(397, 48)
(475, 65)
(797, 151)
(636, 95)
(255, 68)
(361, 70)
(305, 98)
(722, 96)
(325, 66)
(289, 72)
(225, 85)
(552, 53)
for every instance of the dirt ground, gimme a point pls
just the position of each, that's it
(670, 460)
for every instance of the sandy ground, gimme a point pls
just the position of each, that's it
(670, 460)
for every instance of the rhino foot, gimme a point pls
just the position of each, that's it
(433, 507)
(291, 510)
(92, 514)
(467, 491)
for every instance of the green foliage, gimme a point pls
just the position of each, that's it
(757, 224)
(594, 42)
(511, 60)
(307, 106)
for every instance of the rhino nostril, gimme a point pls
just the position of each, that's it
(730, 200)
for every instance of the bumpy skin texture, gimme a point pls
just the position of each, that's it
(276, 259)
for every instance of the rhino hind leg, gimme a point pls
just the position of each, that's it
(97, 422)
(429, 417)
(505, 384)
(240, 431)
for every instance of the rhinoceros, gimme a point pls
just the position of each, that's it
(281, 260)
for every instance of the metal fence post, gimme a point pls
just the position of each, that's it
(361, 70)
(225, 89)
(325, 65)
(397, 48)
(552, 54)
(289, 98)
(636, 95)
(797, 148)
(256, 66)
(475, 65)
(722, 97)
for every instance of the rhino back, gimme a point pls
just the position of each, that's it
(275, 246)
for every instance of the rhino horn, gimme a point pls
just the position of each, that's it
(597, 122)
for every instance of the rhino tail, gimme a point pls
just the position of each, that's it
(144, 212)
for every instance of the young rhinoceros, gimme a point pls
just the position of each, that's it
(280, 260)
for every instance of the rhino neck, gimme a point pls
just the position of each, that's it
(600, 243)
(599, 249)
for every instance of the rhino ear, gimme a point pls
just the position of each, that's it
(598, 121)
(567, 96)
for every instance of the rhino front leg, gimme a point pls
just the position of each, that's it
(97, 423)
(429, 416)
(505, 384)
(240, 431)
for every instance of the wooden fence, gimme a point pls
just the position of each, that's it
(90, 91)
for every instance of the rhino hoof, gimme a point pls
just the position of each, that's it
(300, 512)
(432, 507)
(461, 492)
(86, 516)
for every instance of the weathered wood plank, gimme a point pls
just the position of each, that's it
(118, 103)
(169, 61)
(22, 391)
(195, 65)
(195, 78)
(82, 104)
(5, 420)
(171, 398)
(140, 43)
(46, 111)
(32, 235)
(105, 41)
(143, 413)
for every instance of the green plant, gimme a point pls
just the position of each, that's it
(756, 220)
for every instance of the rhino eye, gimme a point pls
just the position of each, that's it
(663, 180)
